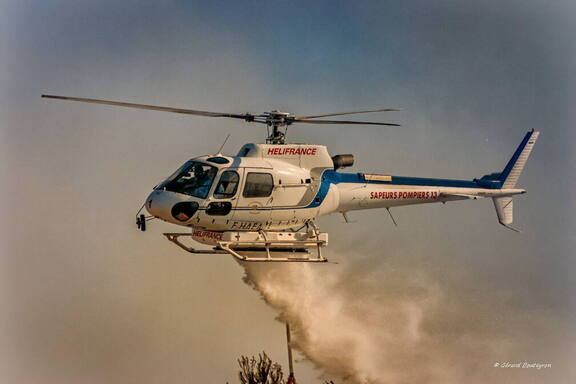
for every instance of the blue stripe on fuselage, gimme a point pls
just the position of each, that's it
(334, 177)
(330, 176)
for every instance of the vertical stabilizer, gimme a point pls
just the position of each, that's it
(509, 177)
(504, 209)
(515, 166)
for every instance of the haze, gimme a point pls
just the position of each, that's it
(86, 298)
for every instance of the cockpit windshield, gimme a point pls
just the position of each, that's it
(194, 179)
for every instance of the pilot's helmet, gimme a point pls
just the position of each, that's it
(198, 170)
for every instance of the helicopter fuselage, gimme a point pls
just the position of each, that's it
(268, 187)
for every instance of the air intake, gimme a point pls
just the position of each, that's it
(342, 161)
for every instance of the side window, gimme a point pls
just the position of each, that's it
(258, 185)
(227, 186)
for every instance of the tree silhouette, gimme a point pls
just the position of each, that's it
(260, 371)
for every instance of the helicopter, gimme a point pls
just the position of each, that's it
(261, 204)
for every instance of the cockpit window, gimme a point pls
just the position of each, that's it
(173, 176)
(195, 180)
(227, 185)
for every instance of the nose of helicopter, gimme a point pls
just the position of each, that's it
(170, 206)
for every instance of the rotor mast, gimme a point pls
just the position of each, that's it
(277, 136)
(275, 120)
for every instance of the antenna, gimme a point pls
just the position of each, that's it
(392, 217)
(223, 144)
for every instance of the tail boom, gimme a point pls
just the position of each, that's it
(366, 191)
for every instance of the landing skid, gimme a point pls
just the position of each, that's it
(260, 247)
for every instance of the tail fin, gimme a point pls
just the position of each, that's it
(505, 211)
(509, 176)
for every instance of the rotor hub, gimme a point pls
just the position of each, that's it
(276, 119)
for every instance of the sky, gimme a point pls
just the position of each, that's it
(87, 298)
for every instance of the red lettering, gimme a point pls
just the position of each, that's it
(208, 235)
(292, 151)
(389, 195)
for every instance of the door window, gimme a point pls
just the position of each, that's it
(227, 186)
(258, 185)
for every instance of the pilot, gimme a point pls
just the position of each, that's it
(201, 181)
(199, 174)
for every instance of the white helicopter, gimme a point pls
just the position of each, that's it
(260, 205)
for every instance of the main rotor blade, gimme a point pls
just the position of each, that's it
(342, 122)
(246, 116)
(348, 113)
